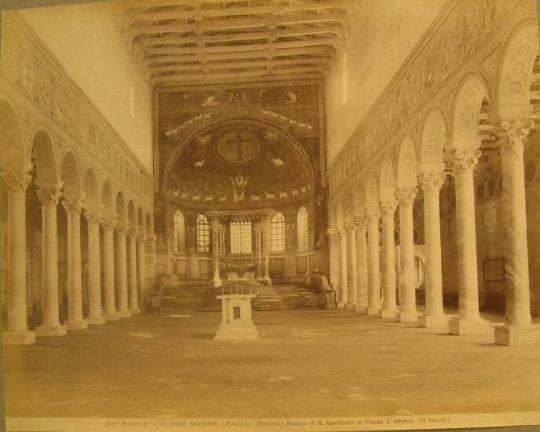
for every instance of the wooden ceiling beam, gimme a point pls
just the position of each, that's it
(137, 17)
(235, 37)
(241, 76)
(134, 32)
(325, 52)
(154, 69)
(330, 42)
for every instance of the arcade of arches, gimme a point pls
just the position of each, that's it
(172, 161)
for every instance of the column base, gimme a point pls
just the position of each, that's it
(22, 337)
(433, 321)
(57, 330)
(135, 311)
(509, 335)
(76, 325)
(374, 311)
(408, 317)
(112, 317)
(232, 331)
(217, 283)
(361, 309)
(390, 315)
(350, 307)
(341, 305)
(477, 327)
(124, 314)
(96, 320)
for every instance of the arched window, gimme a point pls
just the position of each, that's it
(302, 228)
(203, 234)
(278, 233)
(179, 232)
(240, 237)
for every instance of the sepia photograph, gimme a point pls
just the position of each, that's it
(269, 215)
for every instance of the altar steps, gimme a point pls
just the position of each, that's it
(198, 296)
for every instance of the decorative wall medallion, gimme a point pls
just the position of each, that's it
(238, 146)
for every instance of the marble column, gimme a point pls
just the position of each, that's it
(352, 299)
(121, 271)
(518, 329)
(151, 238)
(344, 291)
(361, 265)
(17, 332)
(468, 321)
(141, 265)
(258, 249)
(433, 316)
(75, 319)
(333, 244)
(407, 282)
(132, 271)
(111, 313)
(266, 248)
(389, 311)
(215, 252)
(50, 325)
(95, 316)
(374, 277)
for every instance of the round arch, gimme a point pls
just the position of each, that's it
(372, 192)
(515, 73)
(107, 198)
(249, 118)
(71, 176)
(433, 140)
(91, 188)
(471, 94)
(120, 204)
(44, 157)
(387, 178)
(407, 164)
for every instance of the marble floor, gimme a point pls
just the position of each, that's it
(306, 363)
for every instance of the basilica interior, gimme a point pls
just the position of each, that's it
(365, 174)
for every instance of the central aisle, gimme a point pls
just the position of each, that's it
(309, 363)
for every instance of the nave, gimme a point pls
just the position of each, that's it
(297, 368)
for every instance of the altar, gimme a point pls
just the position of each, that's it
(237, 265)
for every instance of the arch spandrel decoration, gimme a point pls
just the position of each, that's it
(12, 145)
(460, 43)
(239, 163)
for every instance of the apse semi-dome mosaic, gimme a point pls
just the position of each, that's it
(240, 163)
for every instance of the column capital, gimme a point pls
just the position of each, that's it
(350, 226)
(360, 220)
(109, 222)
(513, 133)
(121, 228)
(388, 207)
(16, 181)
(141, 235)
(73, 205)
(332, 232)
(132, 230)
(48, 196)
(463, 160)
(372, 215)
(406, 195)
(92, 216)
(432, 181)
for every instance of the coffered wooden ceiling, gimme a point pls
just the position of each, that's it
(194, 41)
